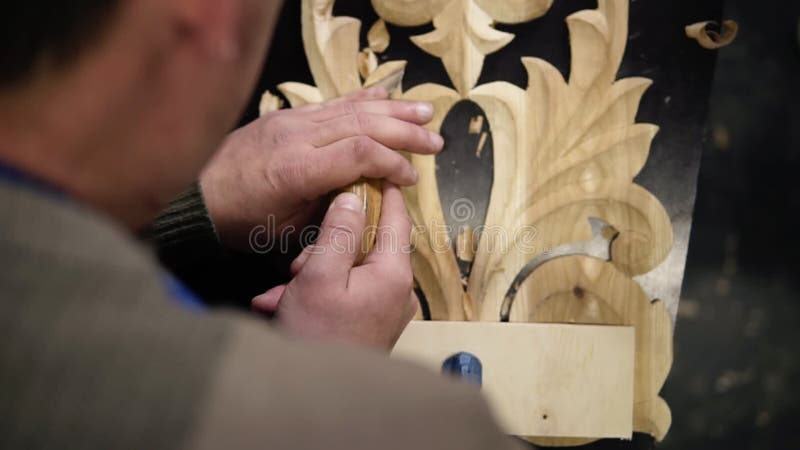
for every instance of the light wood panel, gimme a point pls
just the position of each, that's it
(540, 379)
(584, 290)
(565, 151)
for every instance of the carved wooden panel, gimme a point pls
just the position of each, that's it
(566, 229)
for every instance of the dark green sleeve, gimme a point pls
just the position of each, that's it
(188, 246)
(185, 221)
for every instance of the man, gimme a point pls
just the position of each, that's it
(108, 109)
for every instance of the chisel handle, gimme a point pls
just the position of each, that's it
(371, 194)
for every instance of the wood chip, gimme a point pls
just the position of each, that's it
(378, 37)
(703, 33)
(476, 125)
(367, 63)
(269, 103)
(481, 144)
(465, 244)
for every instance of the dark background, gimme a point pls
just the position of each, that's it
(734, 381)
(736, 366)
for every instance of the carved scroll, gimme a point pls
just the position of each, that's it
(565, 152)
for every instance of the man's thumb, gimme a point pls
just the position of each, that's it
(339, 242)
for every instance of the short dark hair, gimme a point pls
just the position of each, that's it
(53, 32)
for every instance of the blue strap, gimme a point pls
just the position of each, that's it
(12, 175)
(182, 294)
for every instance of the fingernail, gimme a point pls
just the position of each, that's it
(348, 200)
(437, 141)
(414, 174)
(424, 110)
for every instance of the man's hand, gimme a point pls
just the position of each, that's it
(330, 299)
(283, 163)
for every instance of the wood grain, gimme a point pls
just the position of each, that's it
(540, 379)
(585, 290)
(565, 150)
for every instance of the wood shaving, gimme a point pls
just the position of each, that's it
(367, 63)
(476, 125)
(481, 144)
(269, 103)
(378, 37)
(704, 34)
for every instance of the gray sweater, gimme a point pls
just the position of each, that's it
(96, 355)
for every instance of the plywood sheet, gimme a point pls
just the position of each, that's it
(548, 380)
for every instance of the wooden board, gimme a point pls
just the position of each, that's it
(548, 380)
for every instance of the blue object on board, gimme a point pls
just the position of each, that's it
(465, 366)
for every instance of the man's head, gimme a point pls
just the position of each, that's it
(121, 102)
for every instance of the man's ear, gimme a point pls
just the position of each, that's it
(215, 25)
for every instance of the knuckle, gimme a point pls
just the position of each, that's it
(361, 148)
(421, 135)
(349, 108)
(399, 164)
(363, 122)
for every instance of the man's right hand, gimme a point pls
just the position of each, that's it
(330, 299)
(283, 165)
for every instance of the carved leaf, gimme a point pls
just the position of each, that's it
(434, 263)
(462, 39)
(464, 32)
(515, 11)
(408, 13)
(332, 47)
(269, 103)
(378, 37)
(390, 72)
(300, 94)
(367, 63)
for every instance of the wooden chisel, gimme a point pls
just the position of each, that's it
(370, 191)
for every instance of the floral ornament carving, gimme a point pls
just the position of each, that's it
(565, 152)
(332, 48)
(464, 29)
